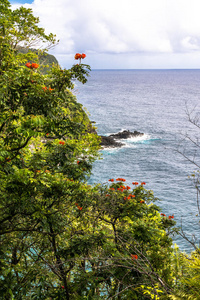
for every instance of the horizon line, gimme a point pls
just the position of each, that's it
(146, 69)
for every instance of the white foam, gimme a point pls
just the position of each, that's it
(110, 149)
(137, 139)
(114, 149)
(130, 142)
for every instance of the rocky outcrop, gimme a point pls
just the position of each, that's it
(110, 141)
(107, 141)
(126, 134)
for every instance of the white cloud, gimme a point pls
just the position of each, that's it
(128, 27)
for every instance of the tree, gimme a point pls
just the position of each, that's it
(46, 152)
(134, 252)
(59, 237)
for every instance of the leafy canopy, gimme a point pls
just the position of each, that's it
(59, 237)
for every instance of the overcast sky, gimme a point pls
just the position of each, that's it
(133, 34)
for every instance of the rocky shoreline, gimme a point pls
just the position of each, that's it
(110, 141)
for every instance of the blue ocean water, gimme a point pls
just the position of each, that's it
(154, 102)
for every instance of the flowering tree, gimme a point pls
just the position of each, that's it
(46, 154)
(59, 237)
(132, 259)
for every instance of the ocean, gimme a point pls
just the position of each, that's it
(157, 103)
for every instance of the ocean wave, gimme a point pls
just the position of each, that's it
(115, 149)
(131, 142)
(138, 139)
(109, 150)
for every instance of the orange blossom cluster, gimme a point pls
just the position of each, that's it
(79, 208)
(134, 256)
(170, 217)
(32, 66)
(79, 56)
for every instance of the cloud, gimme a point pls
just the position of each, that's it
(131, 27)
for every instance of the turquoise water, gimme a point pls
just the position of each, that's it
(154, 102)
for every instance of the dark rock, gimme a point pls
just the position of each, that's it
(107, 141)
(126, 134)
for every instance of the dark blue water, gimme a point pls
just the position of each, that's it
(154, 102)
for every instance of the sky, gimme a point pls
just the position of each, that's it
(124, 34)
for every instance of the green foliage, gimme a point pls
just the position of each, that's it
(187, 276)
(46, 154)
(137, 249)
(46, 61)
(59, 237)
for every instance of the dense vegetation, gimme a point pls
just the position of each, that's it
(46, 61)
(61, 238)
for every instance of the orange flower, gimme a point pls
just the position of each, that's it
(134, 256)
(143, 183)
(83, 55)
(78, 162)
(123, 187)
(34, 66)
(79, 208)
(128, 187)
(28, 65)
(120, 179)
(111, 180)
(135, 183)
(171, 217)
(44, 88)
(107, 195)
(77, 56)
(50, 89)
(141, 201)
(112, 189)
(61, 143)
